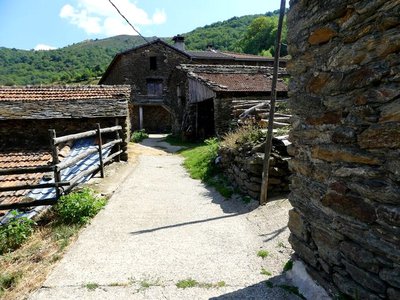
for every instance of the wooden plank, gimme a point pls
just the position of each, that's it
(75, 180)
(110, 129)
(65, 164)
(100, 147)
(27, 170)
(112, 143)
(33, 186)
(73, 137)
(28, 204)
(109, 158)
(54, 150)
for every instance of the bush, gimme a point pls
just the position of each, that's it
(15, 233)
(138, 136)
(79, 207)
(243, 135)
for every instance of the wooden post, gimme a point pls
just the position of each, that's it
(54, 152)
(118, 158)
(140, 117)
(268, 144)
(100, 151)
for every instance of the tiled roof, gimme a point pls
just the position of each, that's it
(19, 158)
(35, 93)
(233, 78)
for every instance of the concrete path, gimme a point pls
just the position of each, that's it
(161, 227)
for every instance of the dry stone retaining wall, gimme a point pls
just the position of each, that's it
(345, 98)
(244, 166)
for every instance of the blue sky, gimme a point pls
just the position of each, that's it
(41, 24)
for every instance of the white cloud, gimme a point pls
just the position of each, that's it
(99, 17)
(43, 47)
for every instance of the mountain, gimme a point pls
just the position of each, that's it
(86, 61)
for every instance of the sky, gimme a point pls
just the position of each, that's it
(50, 24)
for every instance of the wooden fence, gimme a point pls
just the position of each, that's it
(63, 187)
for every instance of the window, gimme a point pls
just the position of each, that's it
(154, 87)
(153, 62)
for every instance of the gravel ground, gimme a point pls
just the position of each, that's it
(161, 227)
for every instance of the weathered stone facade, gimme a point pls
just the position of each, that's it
(345, 190)
(244, 167)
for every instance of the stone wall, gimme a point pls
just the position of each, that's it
(243, 167)
(345, 190)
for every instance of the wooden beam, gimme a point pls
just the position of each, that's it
(109, 158)
(67, 163)
(100, 147)
(110, 129)
(268, 144)
(33, 186)
(140, 117)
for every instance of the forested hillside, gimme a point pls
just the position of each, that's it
(85, 61)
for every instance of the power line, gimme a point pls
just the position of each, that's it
(133, 27)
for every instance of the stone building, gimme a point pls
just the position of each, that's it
(345, 98)
(149, 69)
(212, 90)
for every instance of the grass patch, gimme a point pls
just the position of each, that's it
(199, 161)
(91, 286)
(262, 253)
(265, 272)
(138, 136)
(26, 268)
(190, 283)
(177, 141)
(187, 283)
(282, 130)
(288, 266)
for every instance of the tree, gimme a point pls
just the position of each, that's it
(260, 36)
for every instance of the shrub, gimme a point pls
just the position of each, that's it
(15, 232)
(79, 207)
(243, 135)
(138, 136)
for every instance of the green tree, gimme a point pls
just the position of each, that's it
(260, 36)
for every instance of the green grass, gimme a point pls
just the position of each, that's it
(187, 283)
(8, 280)
(265, 272)
(177, 141)
(91, 286)
(288, 266)
(62, 233)
(190, 283)
(262, 253)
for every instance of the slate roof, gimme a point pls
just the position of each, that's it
(234, 78)
(37, 93)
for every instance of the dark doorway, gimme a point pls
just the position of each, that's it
(205, 119)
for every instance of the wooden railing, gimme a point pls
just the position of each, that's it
(63, 187)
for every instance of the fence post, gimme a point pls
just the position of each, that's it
(100, 150)
(118, 158)
(54, 153)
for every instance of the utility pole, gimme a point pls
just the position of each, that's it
(268, 143)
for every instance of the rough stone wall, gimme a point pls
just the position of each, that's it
(345, 190)
(244, 166)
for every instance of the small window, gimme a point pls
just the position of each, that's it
(154, 87)
(153, 62)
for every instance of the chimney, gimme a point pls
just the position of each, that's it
(210, 47)
(179, 42)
